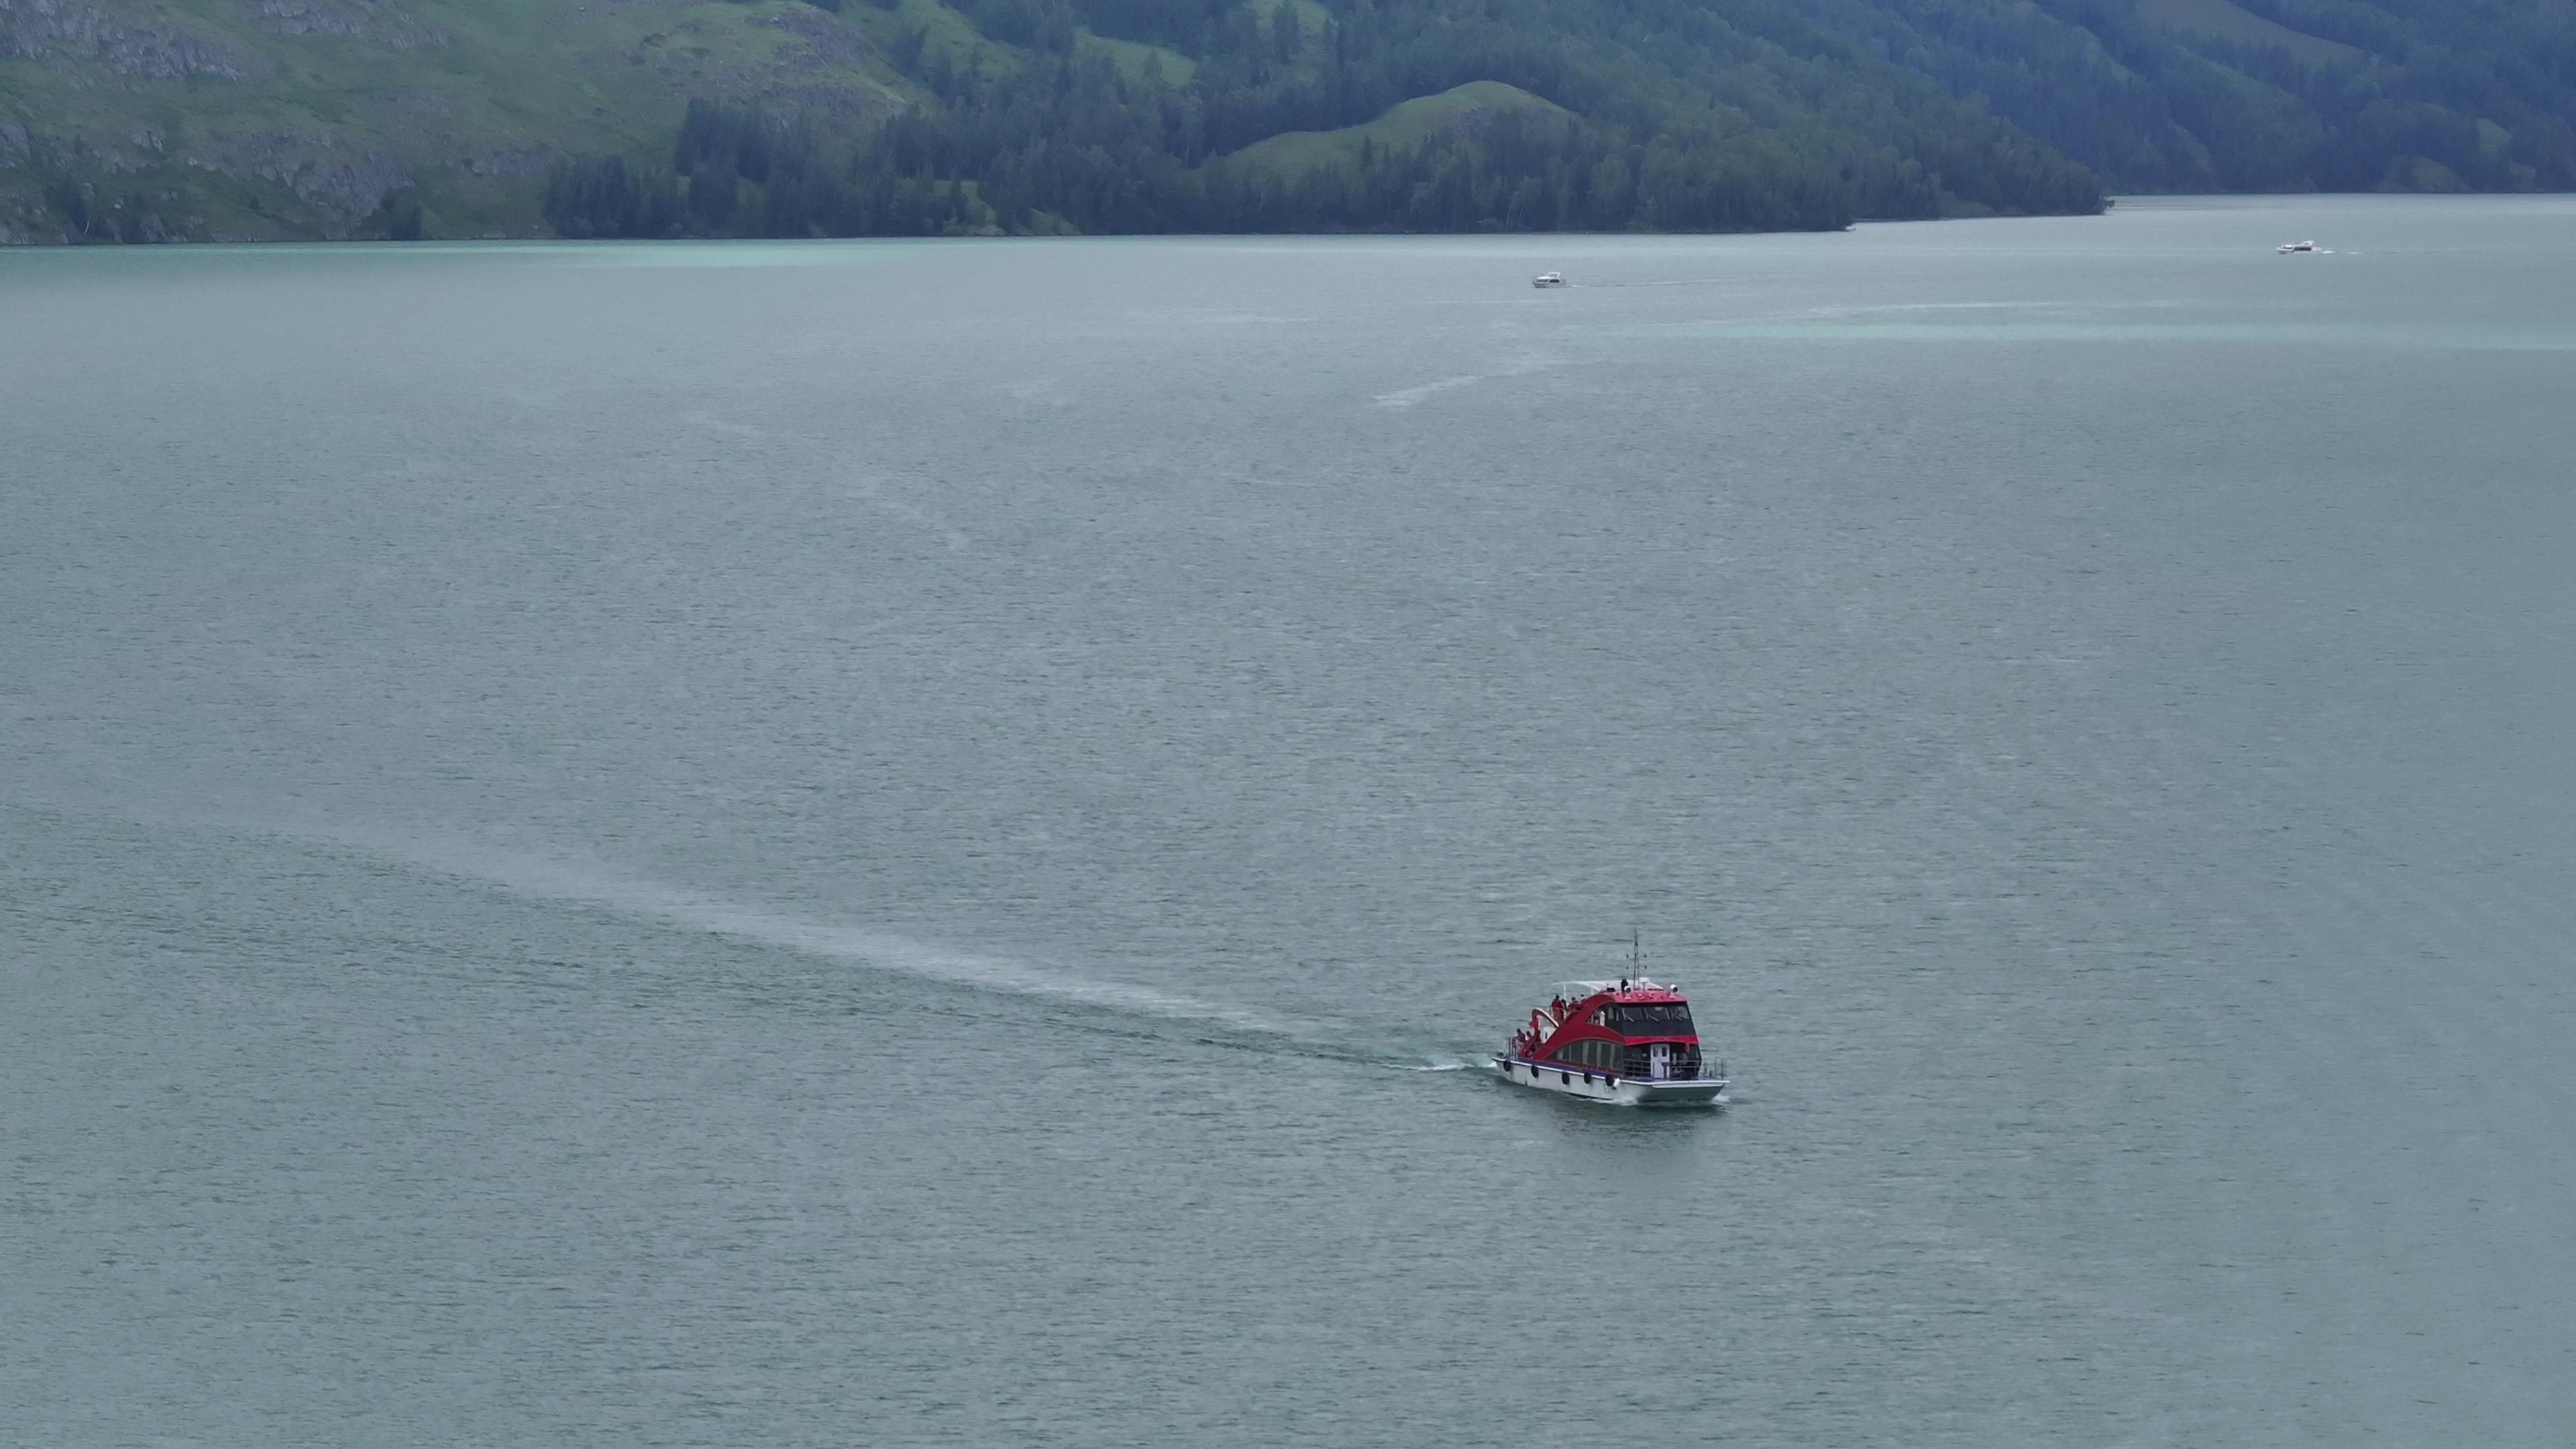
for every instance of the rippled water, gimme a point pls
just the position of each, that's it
(912, 844)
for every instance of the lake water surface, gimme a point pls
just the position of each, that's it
(914, 844)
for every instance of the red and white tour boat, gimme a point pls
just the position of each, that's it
(1629, 1041)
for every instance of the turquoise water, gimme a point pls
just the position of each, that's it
(912, 844)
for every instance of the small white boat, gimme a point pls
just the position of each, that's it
(1548, 279)
(2288, 247)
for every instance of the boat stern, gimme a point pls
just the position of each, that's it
(1698, 1092)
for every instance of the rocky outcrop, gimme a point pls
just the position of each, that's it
(71, 36)
(344, 180)
(819, 75)
(366, 20)
(826, 38)
(527, 160)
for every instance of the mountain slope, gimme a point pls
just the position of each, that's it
(2258, 95)
(152, 119)
(303, 117)
(1405, 125)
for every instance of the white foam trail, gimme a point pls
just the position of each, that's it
(555, 878)
(1407, 397)
(1521, 366)
(715, 424)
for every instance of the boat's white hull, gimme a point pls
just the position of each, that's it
(1600, 1086)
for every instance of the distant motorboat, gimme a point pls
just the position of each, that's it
(1548, 279)
(1630, 1042)
(2288, 247)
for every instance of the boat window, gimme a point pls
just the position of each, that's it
(1657, 1018)
(1590, 1052)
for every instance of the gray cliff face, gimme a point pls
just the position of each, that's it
(77, 36)
(366, 20)
(530, 159)
(343, 179)
(65, 176)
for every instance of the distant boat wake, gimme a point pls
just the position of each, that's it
(559, 878)
(550, 877)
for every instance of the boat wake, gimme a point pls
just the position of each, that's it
(1407, 397)
(564, 878)
(1522, 366)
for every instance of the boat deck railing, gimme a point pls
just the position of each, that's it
(1677, 1077)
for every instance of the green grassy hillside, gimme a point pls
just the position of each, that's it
(163, 119)
(304, 118)
(2227, 21)
(1409, 124)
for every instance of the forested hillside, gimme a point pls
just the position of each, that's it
(170, 119)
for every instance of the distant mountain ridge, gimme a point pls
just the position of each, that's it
(144, 120)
